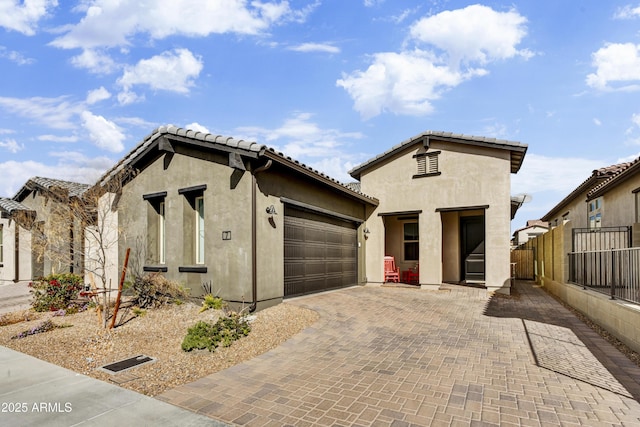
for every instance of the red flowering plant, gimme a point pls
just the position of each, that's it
(56, 292)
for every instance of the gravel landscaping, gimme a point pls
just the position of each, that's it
(85, 346)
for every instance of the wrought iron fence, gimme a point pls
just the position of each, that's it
(615, 272)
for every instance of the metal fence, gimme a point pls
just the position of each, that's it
(615, 272)
(596, 239)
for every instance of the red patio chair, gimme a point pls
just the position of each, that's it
(413, 275)
(391, 272)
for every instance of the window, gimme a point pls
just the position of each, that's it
(1, 244)
(637, 196)
(411, 241)
(199, 202)
(193, 229)
(156, 236)
(161, 233)
(595, 213)
(427, 164)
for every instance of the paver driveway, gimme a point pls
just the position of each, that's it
(395, 356)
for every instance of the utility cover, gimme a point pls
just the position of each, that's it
(126, 364)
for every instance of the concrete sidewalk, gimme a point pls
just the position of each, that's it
(403, 357)
(37, 393)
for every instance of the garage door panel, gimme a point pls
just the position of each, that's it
(319, 253)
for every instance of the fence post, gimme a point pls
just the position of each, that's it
(613, 266)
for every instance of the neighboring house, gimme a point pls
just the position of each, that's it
(445, 204)
(573, 207)
(254, 224)
(15, 241)
(616, 201)
(533, 229)
(57, 234)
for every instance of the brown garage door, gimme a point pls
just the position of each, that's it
(320, 252)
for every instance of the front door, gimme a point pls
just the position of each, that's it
(472, 248)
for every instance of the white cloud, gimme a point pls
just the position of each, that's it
(56, 138)
(197, 127)
(95, 61)
(627, 12)
(371, 3)
(70, 166)
(11, 145)
(104, 133)
(97, 95)
(617, 67)
(304, 140)
(56, 113)
(474, 34)
(560, 175)
(635, 118)
(108, 23)
(172, 71)
(401, 83)
(597, 122)
(15, 56)
(127, 97)
(315, 47)
(23, 16)
(450, 48)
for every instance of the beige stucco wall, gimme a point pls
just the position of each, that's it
(7, 268)
(470, 176)
(54, 215)
(578, 214)
(618, 204)
(228, 204)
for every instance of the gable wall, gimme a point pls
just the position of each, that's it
(470, 176)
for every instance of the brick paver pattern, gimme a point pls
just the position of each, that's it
(399, 357)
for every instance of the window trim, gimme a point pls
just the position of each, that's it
(162, 233)
(1, 244)
(199, 230)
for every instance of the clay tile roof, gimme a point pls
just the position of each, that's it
(10, 205)
(227, 141)
(594, 181)
(75, 189)
(615, 175)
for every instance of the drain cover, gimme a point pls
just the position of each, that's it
(123, 365)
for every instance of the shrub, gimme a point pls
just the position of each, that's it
(206, 335)
(211, 302)
(154, 290)
(56, 292)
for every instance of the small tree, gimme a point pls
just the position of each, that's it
(80, 233)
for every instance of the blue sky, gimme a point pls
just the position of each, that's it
(329, 82)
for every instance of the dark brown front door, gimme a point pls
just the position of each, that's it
(472, 247)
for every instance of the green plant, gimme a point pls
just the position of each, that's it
(211, 302)
(139, 312)
(56, 292)
(225, 331)
(45, 326)
(154, 290)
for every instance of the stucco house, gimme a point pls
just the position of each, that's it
(254, 224)
(573, 207)
(15, 241)
(615, 202)
(56, 242)
(445, 204)
(533, 229)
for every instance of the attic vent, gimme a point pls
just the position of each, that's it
(427, 164)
